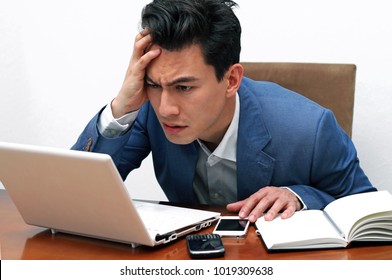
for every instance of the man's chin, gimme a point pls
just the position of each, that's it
(180, 140)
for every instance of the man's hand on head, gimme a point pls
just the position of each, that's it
(132, 94)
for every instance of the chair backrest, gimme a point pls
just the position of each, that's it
(330, 85)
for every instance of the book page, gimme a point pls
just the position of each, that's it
(309, 228)
(346, 211)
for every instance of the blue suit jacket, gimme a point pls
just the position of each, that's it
(284, 139)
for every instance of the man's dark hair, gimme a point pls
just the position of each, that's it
(177, 24)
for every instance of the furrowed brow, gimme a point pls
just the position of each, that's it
(182, 80)
(179, 80)
(149, 80)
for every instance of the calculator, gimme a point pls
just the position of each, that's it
(205, 245)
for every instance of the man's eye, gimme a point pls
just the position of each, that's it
(184, 88)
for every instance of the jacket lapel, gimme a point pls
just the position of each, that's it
(254, 166)
(182, 167)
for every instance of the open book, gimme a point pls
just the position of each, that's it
(358, 217)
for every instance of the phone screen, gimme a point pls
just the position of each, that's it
(232, 225)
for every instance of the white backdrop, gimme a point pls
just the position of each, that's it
(61, 61)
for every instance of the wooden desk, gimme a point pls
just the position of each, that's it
(21, 241)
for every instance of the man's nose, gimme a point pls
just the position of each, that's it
(168, 105)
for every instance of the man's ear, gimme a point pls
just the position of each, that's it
(234, 78)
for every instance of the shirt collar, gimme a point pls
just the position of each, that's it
(227, 148)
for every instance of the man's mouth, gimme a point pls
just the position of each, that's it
(173, 128)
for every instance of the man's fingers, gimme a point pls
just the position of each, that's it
(243, 208)
(140, 46)
(269, 200)
(274, 210)
(288, 212)
(235, 206)
(255, 206)
(139, 67)
(142, 34)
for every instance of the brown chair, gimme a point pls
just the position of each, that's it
(330, 85)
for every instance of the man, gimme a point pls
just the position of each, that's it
(217, 137)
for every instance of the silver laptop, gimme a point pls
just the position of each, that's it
(82, 193)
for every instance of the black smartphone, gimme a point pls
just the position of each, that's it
(205, 245)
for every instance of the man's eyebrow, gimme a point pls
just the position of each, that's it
(185, 79)
(149, 80)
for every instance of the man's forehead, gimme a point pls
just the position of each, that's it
(176, 66)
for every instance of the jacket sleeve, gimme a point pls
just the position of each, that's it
(335, 170)
(127, 151)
